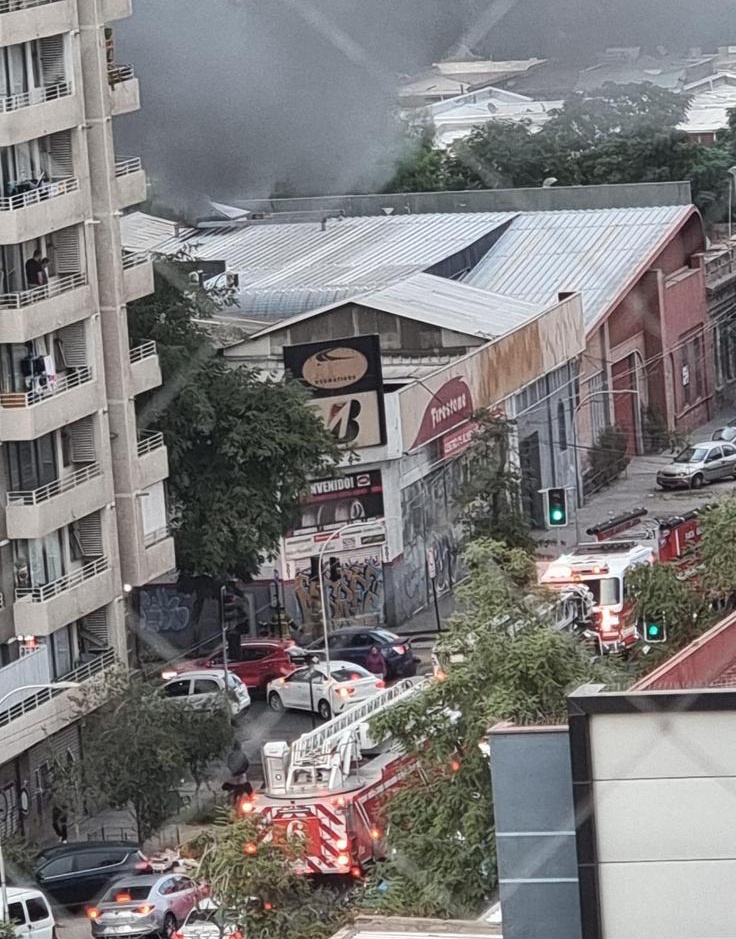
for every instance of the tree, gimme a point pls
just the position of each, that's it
(506, 664)
(138, 745)
(717, 549)
(241, 449)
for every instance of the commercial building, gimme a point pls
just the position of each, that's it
(448, 79)
(82, 502)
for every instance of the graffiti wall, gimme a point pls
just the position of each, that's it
(354, 591)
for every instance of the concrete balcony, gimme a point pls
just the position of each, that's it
(114, 9)
(31, 414)
(153, 460)
(145, 368)
(159, 554)
(27, 722)
(24, 20)
(137, 276)
(131, 181)
(43, 209)
(41, 310)
(39, 112)
(39, 611)
(124, 90)
(37, 512)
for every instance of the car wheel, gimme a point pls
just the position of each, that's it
(169, 927)
(324, 710)
(275, 702)
(697, 481)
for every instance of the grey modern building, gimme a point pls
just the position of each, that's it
(83, 516)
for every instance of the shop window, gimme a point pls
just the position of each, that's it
(699, 364)
(561, 425)
(685, 374)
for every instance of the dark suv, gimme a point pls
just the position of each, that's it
(74, 874)
(353, 643)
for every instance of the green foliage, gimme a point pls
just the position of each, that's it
(241, 450)
(510, 666)
(8, 930)
(260, 885)
(717, 549)
(608, 457)
(490, 496)
(138, 745)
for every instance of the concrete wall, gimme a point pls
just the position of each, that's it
(535, 832)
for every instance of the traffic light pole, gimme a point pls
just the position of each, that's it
(223, 631)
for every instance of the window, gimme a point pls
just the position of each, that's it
(728, 450)
(303, 674)
(561, 425)
(205, 686)
(16, 914)
(135, 892)
(699, 366)
(606, 591)
(37, 909)
(344, 674)
(177, 689)
(363, 639)
(61, 651)
(167, 887)
(715, 454)
(59, 866)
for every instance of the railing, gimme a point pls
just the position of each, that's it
(721, 265)
(28, 399)
(51, 490)
(55, 287)
(10, 6)
(101, 662)
(35, 96)
(39, 193)
(144, 351)
(119, 73)
(149, 442)
(2, 600)
(153, 537)
(127, 165)
(133, 260)
(48, 591)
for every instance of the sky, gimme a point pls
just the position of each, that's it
(244, 97)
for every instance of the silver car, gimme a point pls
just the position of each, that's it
(140, 906)
(701, 463)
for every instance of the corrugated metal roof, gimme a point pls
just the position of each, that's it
(141, 232)
(595, 252)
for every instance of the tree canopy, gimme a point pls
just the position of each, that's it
(241, 448)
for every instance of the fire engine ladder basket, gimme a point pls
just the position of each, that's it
(323, 743)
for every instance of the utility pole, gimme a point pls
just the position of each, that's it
(223, 631)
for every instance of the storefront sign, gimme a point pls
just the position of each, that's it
(454, 443)
(341, 499)
(307, 545)
(451, 404)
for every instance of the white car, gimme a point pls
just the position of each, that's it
(347, 684)
(206, 686)
(30, 913)
(205, 921)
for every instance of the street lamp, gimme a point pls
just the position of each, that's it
(731, 184)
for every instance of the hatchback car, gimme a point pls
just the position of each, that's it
(30, 913)
(205, 687)
(208, 921)
(259, 662)
(727, 433)
(701, 463)
(347, 684)
(145, 905)
(354, 643)
(74, 874)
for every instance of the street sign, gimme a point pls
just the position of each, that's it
(431, 564)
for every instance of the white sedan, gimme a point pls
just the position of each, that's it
(346, 685)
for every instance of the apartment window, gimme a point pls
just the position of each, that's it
(685, 374)
(699, 364)
(62, 651)
(39, 561)
(561, 425)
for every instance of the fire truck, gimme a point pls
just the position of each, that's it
(329, 786)
(603, 565)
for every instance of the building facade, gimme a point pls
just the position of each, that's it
(83, 517)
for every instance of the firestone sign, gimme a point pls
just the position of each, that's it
(450, 406)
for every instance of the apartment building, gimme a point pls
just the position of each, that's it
(83, 516)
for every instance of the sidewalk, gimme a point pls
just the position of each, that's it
(423, 624)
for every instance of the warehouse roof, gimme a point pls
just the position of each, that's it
(400, 927)
(597, 252)
(141, 232)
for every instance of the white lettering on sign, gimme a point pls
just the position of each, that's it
(453, 406)
(332, 485)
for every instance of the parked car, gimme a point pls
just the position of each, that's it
(727, 433)
(30, 913)
(76, 873)
(347, 684)
(207, 920)
(206, 686)
(259, 662)
(354, 643)
(698, 464)
(142, 906)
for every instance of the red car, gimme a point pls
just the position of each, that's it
(261, 660)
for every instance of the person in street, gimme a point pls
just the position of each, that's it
(36, 274)
(237, 785)
(375, 662)
(59, 823)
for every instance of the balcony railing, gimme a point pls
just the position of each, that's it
(29, 399)
(51, 490)
(158, 534)
(2, 601)
(11, 6)
(126, 165)
(144, 351)
(39, 193)
(68, 582)
(119, 73)
(101, 662)
(35, 96)
(133, 260)
(149, 442)
(55, 287)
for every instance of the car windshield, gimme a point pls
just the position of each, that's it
(130, 892)
(605, 590)
(725, 433)
(691, 455)
(351, 674)
(211, 915)
(387, 636)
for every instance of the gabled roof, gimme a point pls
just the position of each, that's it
(598, 252)
(447, 304)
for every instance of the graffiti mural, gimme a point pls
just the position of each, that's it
(163, 609)
(354, 591)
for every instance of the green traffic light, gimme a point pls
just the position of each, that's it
(557, 515)
(655, 632)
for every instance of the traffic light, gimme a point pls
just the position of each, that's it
(557, 508)
(655, 631)
(232, 612)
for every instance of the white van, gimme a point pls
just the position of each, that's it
(29, 911)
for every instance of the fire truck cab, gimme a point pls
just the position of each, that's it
(602, 568)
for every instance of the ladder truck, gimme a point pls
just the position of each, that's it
(329, 786)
